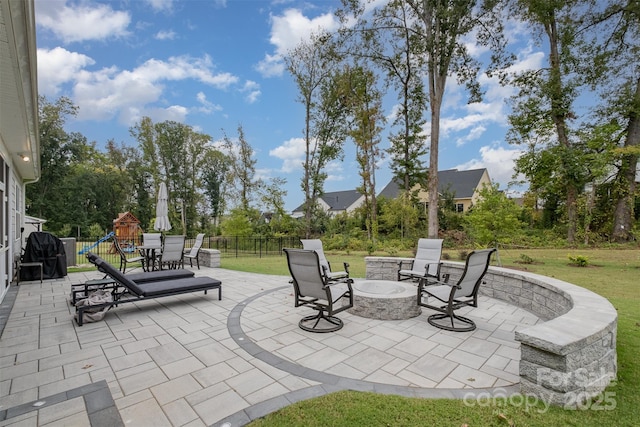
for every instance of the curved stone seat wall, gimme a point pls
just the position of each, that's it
(567, 359)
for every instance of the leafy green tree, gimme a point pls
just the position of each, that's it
(612, 53)
(493, 218)
(240, 222)
(399, 217)
(272, 194)
(544, 104)
(56, 156)
(242, 171)
(364, 103)
(443, 48)
(313, 66)
(386, 38)
(175, 154)
(214, 177)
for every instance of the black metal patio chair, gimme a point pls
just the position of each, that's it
(453, 296)
(314, 290)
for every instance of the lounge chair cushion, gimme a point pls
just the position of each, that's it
(156, 276)
(166, 287)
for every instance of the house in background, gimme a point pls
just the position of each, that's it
(464, 185)
(19, 138)
(335, 202)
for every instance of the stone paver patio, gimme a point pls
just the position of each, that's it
(191, 360)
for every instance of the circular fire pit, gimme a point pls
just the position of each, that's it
(385, 300)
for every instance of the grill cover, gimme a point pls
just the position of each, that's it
(46, 248)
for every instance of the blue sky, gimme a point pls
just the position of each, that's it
(215, 64)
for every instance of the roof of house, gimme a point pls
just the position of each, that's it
(337, 200)
(461, 183)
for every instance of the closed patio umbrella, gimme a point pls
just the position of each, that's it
(162, 210)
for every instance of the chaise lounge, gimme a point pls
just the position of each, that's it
(81, 291)
(125, 290)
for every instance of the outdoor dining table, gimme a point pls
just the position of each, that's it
(150, 254)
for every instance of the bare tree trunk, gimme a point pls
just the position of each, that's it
(626, 178)
(306, 181)
(436, 91)
(559, 117)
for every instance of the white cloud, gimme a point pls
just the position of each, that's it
(207, 107)
(270, 66)
(287, 31)
(498, 160)
(160, 5)
(165, 35)
(110, 92)
(252, 89)
(58, 66)
(291, 152)
(176, 113)
(335, 171)
(473, 135)
(81, 21)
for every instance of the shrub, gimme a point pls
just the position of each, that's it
(462, 255)
(446, 256)
(391, 250)
(526, 259)
(578, 260)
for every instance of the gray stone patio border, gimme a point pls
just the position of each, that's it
(7, 305)
(566, 360)
(100, 406)
(329, 383)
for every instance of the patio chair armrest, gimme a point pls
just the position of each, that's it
(346, 267)
(428, 264)
(430, 281)
(403, 261)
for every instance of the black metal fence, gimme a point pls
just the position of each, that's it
(257, 246)
(229, 246)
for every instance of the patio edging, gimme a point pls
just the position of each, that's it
(566, 360)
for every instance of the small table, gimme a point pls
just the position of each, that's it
(29, 264)
(149, 253)
(385, 300)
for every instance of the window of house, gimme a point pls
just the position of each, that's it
(459, 207)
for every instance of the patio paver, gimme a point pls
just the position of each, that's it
(192, 359)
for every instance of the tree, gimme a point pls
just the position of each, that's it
(214, 178)
(613, 52)
(544, 104)
(175, 154)
(388, 41)
(399, 216)
(242, 170)
(445, 54)
(364, 103)
(493, 218)
(55, 158)
(313, 64)
(272, 194)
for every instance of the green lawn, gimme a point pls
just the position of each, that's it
(612, 273)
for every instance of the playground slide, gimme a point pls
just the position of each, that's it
(86, 249)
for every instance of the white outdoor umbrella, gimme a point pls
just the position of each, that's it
(162, 210)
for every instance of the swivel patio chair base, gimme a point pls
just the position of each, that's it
(442, 321)
(321, 323)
